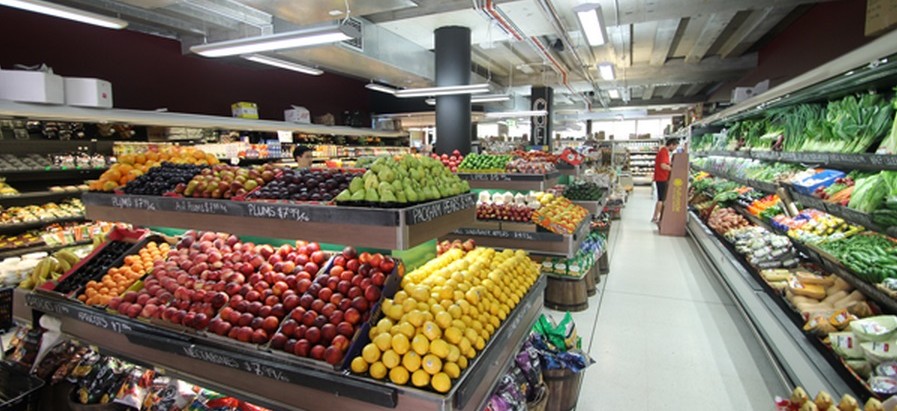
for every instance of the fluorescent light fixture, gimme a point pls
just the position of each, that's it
(486, 98)
(613, 93)
(511, 114)
(289, 65)
(65, 12)
(607, 71)
(592, 22)
(310, 36)
(381, 88)
(443, 91)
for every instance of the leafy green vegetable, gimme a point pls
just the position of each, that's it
(859, 123)
(868, 194)
(889, 144)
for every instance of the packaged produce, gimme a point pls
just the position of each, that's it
(135, 387)
(877, 329)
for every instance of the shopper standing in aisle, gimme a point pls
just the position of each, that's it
(303, 156)
(662, 168)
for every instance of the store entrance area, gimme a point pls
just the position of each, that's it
(663, 331)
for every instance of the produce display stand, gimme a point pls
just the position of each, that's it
(256, 374)
(798, 361)
(865, 161)
(262, 378)
(534, 242)
(398, 228)
(594, 207)
(509, 181)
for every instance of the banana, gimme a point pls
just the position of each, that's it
(68, 256)
(43, 269)
(64, 266)
(54, 264)
(27, 284)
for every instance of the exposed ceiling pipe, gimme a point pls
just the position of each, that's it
(509, 27)
(552, 14)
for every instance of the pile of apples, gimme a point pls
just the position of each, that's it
(333, 306)
(445, 245)
(504, 212)
(450, 161)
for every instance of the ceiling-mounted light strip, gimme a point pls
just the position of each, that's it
(66, 12)
(443, 90)
(310, 36)
(592, 22)
(289, 65)
(487, 98)
(607, 71)
(381, 88)
(613, 93)
(512, 114)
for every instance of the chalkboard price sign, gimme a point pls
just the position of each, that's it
(277, 211)
(202, 207)
(139, 203)
(429, 212)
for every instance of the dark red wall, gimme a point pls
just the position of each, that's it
(825, 32)
(149, 72)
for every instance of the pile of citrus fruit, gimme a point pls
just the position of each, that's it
(119, 279)
(445, 313)
(130, 166)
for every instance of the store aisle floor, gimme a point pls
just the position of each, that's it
(663, 332)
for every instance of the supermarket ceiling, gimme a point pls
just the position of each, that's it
(663, 51)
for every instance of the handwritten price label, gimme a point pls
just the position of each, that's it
(138, 203)
(278, 212)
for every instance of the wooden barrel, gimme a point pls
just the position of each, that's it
(591, 288)
(603, 264)
(563, 388)
(566, 293)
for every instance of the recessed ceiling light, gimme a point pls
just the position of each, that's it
(335, 12)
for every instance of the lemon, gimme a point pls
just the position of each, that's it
(391, 359)
(459, 297)
(477, 326)
(420, 378)
(359, 365)
(471, 334)
(441, 382)
(465, 343)
(459, 324)
(462, 362)
(400, 297)
(383, 341)
(398, 375)
(420, 344)
(452, 369)
(415, 317)
(399, 344)
(439, 348)
(431, 330)
(443, 319)
(431, 364)
(423, 307)
(377, 370)
(453, 335)
(494, 322)
(409, 305)
(419, 292)
(384, 324)
(470, 353)
(455, 311)
(387, 303)
(411, 361)
(407, 329)
(454, 354)
(395, 312)
(370, 353)
(480, 344)
(446, 293)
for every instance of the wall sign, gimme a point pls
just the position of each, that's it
(541, 98)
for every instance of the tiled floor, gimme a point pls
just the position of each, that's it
(663, 332)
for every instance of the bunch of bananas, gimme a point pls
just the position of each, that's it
(50, 268)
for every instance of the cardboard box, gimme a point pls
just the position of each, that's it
(297, 114)
(243, 109)
(881, 16)
(88, 92)
(32, 86)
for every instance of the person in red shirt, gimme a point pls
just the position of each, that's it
(662, 167)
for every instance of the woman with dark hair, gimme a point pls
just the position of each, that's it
(662, 168)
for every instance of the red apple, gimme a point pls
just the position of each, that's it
(364, 257)
(378, 279)
(265, 311)
(349, 252)
(339, 261)
(389, 264)
(317, 305)
(245, 319)
(333, 355)
(311, 267)
(352, 315)
(346, 329)
(360, 303)
(302, 348)
(328, 331)
(278, 341)
(244, 334)
(318, 257)
(355, 292)
(297, 314)
(290, 302)
(278, 310)
(289, 327)
(309, 318)
(317, 352)
(341, 342)
(353, 265)
(306, 300)
(313, 335)
(270, 324)
(372, 293)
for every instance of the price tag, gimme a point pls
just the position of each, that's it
(428, 212)
(880, 346)
(277, 211)
(136, 202)
(202, 206)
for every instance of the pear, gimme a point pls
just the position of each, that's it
(400, 197)
(384, 186)
(386, 175)
(358, 195)
(356, 185)
(371, 195)
(344, 195)
(388, 197)
(412, 196)
(371, 181)
(397, 185)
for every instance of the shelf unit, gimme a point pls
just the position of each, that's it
(867, 161)
(40, 248)
(262, 378)
(799, 363)
(168, 119)
(31, 225)
(37, 197)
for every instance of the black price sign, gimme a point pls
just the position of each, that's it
(136, 202)
(428, 212)
(486, 177)
(277, 211)
(203, 207)
(78, 312)
(232, 360)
